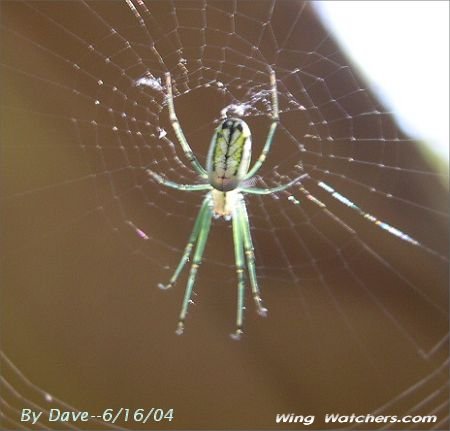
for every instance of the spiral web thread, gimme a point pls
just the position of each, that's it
(109, 90)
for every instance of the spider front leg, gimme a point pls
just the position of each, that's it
(179, 131)
(203, 227)
(240, 267)
(248, 247)
(189, 246)
(243, 248)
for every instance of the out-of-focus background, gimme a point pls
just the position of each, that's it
(399, 58)
(358, 317)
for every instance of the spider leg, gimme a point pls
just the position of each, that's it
(240, 266)
(255, 191)
(203, 227)
(248, 247)
(273, 127)
(179, 132)
(174, 185)
(189, 246)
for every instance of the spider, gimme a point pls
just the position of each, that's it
(227, 173)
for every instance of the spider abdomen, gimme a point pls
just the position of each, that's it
(229, 154)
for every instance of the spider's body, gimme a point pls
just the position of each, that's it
(224, 202)
(229, 154)
(227, 164)
(227, 172)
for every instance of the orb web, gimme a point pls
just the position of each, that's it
(89, 118)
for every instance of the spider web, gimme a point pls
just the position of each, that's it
(358, 315)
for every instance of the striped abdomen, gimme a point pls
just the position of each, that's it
(229, 154)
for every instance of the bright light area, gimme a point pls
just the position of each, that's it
(402, 47)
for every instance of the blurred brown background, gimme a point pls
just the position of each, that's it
(349, 330)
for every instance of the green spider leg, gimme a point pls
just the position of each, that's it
(177, 186)
(273, 127)
(189, 246)
(179, 132)
(199, 234)
(244, 223)
(255, 191)
(238, 242)
(243, 248)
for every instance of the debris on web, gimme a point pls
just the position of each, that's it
(150, 81)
